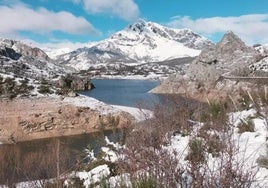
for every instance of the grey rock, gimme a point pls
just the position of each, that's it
(230, 57)
(9, 53)
(75, 83)
(24, 49)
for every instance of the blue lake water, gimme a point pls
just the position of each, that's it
(124, 92)
(118, 92)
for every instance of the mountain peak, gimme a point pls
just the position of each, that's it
(141, 41)
(229, 38)
(231, 43)
(138, 26)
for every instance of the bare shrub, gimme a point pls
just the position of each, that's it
(246, 125)
(9, 163)
(144, 158)
(149, 163)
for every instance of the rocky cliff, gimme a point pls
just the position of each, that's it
(207, 76)
(27, 70)
(24, 49)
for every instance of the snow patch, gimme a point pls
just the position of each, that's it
(95, 175)
(103, 108)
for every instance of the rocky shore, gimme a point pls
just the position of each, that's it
(24, 119)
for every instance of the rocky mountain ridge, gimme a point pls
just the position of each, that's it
(139, 43)
(22, 60)
(24, 49)
(27, 70)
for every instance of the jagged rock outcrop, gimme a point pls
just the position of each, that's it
(9, 53)
(23, 61)
(231, 57)
(31, 67)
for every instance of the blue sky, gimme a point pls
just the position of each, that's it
(75, 22)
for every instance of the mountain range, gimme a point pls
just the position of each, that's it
(143, 48)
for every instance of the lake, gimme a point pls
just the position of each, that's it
(37, 159)
(30, 160)
(123, 92)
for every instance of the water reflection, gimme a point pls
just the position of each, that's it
(38, 159)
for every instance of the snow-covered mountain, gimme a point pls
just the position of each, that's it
(141, 42)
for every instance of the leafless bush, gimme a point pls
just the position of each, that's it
(224, 169)
(147, 160)
(246, 125)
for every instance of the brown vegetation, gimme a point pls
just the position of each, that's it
(149, 163)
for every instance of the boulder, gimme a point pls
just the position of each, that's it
(75, 82)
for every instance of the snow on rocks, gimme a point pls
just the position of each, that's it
(94, 104)
(95, 175)
(252, 145)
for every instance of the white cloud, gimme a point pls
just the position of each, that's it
(57, 47)
(251, 28)
(20, 17)
(124, 9)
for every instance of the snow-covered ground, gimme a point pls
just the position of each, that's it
(103, 108)
(151, 76)
(250, 146)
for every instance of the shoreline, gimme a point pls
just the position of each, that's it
(61, 136)
(26, 119)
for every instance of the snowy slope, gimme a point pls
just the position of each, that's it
(60, 49)
(262, 64)
(140, 42)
